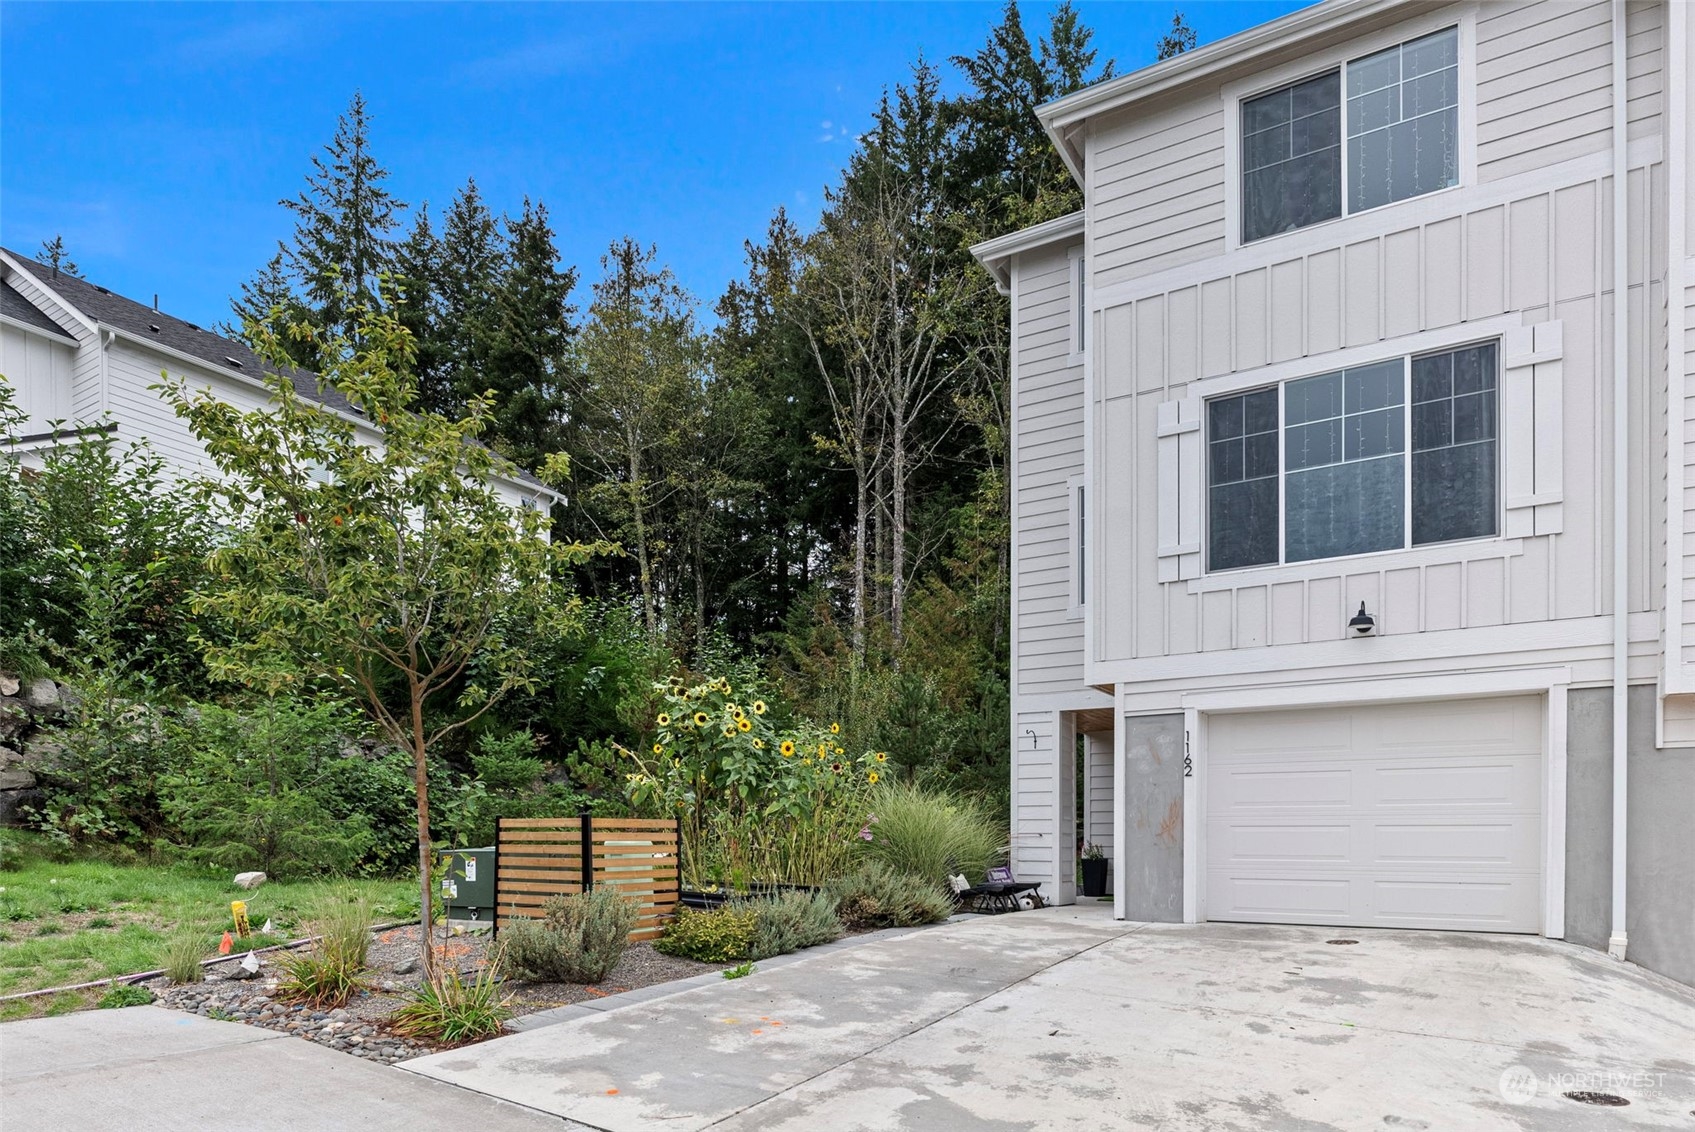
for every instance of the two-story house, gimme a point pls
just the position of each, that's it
(79, 356)
(1354, 553)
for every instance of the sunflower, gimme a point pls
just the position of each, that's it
(729, 731)
(700, 719)
(882, 756)
(659, 748)
(872, 778)
(664, 720)
(835, 729)
(823, 749)
(788, 748)
(837, 767)
(759, 744)
(724, 686)
(758, 707)
(840, 751)
(744, 724)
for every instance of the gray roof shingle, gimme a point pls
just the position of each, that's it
(20, 308)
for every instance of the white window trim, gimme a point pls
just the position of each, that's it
(1234, 94)
(1076, 290)
(1077, 528)
(1312, 368)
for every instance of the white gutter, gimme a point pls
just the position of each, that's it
(104, 338)
(1621, 481)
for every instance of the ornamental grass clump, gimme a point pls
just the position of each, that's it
(929, 834)
(182, 959)
(327, 974)
(579, 938)
(722, 935)
(875, 896)
(448, 1008)
(791, 921)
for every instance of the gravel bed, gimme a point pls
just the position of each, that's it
(361, 1027)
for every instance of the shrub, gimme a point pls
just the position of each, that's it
(931, 835)
(718, 936)
(875, 896)
(579, 938)
(791, 921)
(449, 1009)
(182, 959)
(124, 995)
(251, 792)
(327, 975)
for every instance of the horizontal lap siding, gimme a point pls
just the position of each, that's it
(1049, 407)
(1156, 192)
(1544, 255)
(1544, 74)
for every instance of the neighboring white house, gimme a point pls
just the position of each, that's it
(79, 355)
(1326, 577)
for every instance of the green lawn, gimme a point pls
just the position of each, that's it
(71, 921)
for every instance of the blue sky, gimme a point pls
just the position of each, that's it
(158, 138)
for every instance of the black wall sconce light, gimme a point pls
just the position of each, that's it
(1362, 624)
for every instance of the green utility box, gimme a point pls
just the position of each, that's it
(467, 884)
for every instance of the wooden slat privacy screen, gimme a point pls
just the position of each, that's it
(539, 858)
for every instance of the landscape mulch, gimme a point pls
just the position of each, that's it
(361, 1028)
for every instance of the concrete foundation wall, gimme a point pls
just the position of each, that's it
(1660, 867)
(1151, 857)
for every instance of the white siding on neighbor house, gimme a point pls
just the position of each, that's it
(1048, 402)
(39, 371)
(1036, 809)
(1501, 257)
(1097, 790)
(85, 367)
(143, 414)
(1681, 354)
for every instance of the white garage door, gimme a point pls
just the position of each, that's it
(1406, 815)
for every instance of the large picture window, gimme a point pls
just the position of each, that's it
(1376, 457)
(1400, 119)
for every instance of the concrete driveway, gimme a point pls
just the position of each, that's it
(1065, 1019)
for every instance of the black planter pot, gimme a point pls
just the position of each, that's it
(706, 901)
(1094, 876)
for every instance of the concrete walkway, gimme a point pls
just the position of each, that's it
(147, 1069)
(1065, 1019)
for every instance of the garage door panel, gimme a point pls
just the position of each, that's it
(1430, 818)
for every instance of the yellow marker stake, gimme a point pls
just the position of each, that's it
(238, 910)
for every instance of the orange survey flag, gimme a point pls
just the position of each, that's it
(225, 944)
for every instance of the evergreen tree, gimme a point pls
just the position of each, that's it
(53, 254)
(526, 340)
(417, 280)
(344, 218)
(472, 262)
(1179, 39)
(269, 296)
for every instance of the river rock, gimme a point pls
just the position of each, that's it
(8, 684)
(16, 778)
(42, 694)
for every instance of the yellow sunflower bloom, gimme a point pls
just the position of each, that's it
(744, 724)
(872, 778)
(729, 730)
(700, 719)
(823, 749)
(882, 756)
(840, 751)
(835, 729)
(659, 748)
(758, 707)
(759, 744)
(664, 720)
(788, 748)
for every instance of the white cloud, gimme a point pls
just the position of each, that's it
(824, 125)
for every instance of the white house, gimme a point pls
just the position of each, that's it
(79, 356)
(1354, 416)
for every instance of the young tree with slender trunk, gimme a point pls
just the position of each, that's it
(394, 573)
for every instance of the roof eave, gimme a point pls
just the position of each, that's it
(1061, 117)
(17, 266)
(996, 254)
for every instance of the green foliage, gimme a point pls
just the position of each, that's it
(327, 973)
(579, 938)
(250, 793)
(791, 921)
(446, 1008)
(875, 896)
(182, 958)
(718, 936)
(124, 994)
(756, 801)
(740, 970)
(931, 835)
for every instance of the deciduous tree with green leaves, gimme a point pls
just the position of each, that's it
(393, 572)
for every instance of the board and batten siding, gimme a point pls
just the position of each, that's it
(1048, 401)
(1522, 259)
(39, 371)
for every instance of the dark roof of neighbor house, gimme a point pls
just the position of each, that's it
(16, 306)
(114, 310)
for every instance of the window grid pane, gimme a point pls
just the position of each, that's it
(1242, 480)
(1344, 468)
(1291, 157)
(1454, 435)
(1403, 121)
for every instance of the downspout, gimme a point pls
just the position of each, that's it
(105, 338)
(1621, 480)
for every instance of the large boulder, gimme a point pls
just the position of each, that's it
(16, 778)
(14, 719)
(249, 880)
(9, 684)
(42, 694)
(13, 803)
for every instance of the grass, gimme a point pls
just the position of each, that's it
(144, 906)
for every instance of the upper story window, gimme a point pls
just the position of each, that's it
(1398, 122)
(1319, 467)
